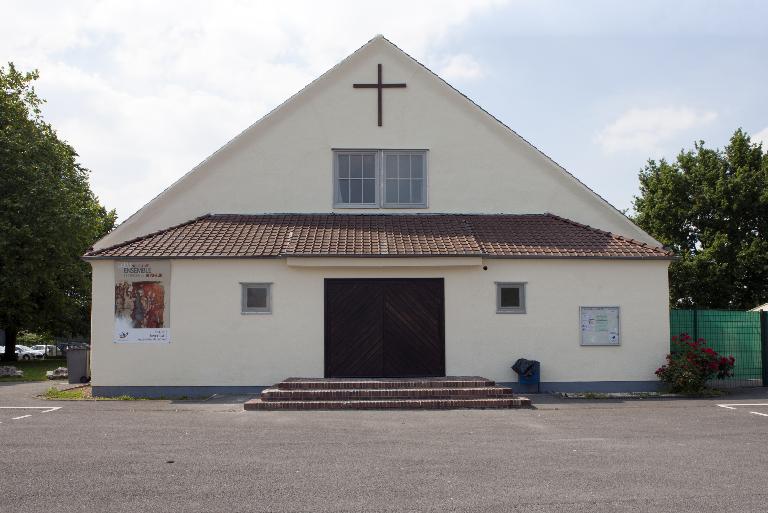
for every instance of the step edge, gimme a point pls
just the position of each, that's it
(357, 390)
(377, 385)
(520, 402)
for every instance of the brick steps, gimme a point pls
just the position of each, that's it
(356, 383)
(453, 392)
(390, 404)
(276, 394)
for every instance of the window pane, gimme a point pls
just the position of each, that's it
(256, 297)
(404, 191)
(404, 166)
(391, 165)
(359, 174)
(343, 166)
(355, 191)
(356, 166)
(417, 166)
(390, 195)
(344, 191)
(510, 297)
(417, 186)
(369, 191)
(369, 166)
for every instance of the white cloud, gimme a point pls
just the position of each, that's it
(647, 129)
(761, 137)
(461, 67)
(145, 90)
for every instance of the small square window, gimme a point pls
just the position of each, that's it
(510, 297)
(256, 298)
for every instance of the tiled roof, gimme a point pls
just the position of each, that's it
(281, 235)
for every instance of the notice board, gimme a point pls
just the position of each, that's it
(599, 325)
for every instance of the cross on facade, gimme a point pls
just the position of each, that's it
(379, 86)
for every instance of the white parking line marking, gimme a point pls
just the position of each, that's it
(732, 406)
(741, 404)
(46, 408)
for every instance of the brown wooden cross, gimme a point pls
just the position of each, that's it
(380, 86)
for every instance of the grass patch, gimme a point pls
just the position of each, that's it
(707, 392)
(613, 395)
(122, 398)
(34, 370)
(83, 393)
(72, 393)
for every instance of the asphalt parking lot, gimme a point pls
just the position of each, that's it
(211, 456)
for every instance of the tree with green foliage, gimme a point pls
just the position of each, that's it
(48, 218)
(711, 207)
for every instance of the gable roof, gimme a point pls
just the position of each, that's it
(379, 39)
(515, 134)
(381, 235)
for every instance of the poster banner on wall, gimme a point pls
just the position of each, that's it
(142, 302)
(599, 325)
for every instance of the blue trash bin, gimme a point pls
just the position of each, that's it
(528, 372)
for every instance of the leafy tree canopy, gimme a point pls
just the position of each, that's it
(711, 207)
(48, 218)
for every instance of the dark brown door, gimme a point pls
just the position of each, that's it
(354, 337)
(384, 328)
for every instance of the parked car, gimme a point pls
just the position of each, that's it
(66, 346)
(24, 353)
(49, 350)
(27, 353)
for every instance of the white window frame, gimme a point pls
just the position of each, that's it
(337, 203)
(380, 175)
(244, 309)
(384, 204)
(508, 309)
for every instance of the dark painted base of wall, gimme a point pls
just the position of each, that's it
(586, 386)
(167, 392)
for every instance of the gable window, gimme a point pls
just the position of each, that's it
(256, 298)
(510, 298)
(404, 179)
(356, 179)
(379, 179)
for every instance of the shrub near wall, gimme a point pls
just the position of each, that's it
(691, 364)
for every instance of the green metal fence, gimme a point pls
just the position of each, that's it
(729, 333)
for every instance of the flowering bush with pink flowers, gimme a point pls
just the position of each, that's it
(691, 364)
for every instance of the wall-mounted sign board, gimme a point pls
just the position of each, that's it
(142, 301)
(599, 325)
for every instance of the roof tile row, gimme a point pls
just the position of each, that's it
(279, 235)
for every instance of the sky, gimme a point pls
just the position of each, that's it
(146, 90)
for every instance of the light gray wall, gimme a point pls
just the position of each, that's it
(212, 344)
(284, 162)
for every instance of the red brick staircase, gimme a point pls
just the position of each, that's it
(452, 392)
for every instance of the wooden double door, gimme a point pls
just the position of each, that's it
(384, 328)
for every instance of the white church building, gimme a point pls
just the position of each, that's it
(376, 224)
